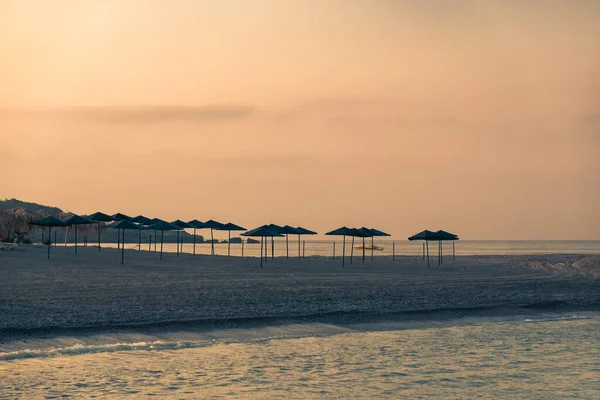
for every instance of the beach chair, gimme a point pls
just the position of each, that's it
(7, 246)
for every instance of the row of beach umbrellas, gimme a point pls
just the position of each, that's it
(123, 222)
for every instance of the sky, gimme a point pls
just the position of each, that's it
(477, 117)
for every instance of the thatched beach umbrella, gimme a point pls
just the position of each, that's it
(125, 225)
(288, 230)
(100, 217)
(152, 222)
(300, 231)
(141, 220)
(196, 225)
(181, 225)
(49, 222)
(426, 236)
(277, 229)
(343, 231)
(376, 232)
(446, 236)
(120, 217)
(212, 225)
(367, 233)
(230, 227)
(77, 220)
(162, 226)
(263, 232)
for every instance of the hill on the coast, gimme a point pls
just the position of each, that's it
(8, 204)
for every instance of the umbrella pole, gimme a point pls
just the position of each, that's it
(118, 238)
(423, 251)
(298, 247)
(266, 249)
(393, 251)
(98, 235)
(140, 239)
(122, 248)
(177, 243)
(75, 239)
(372, 250)
(229, 244)
(287, 250)
(334, 249)
(49, 232)
(155, 239)
(242, 247)
(272, 247)
(441, 252)
(427, 245)
(162, 234)
(363, 249)
(212, 242)
(150, 243)
(344, 251)
(352, 250)
(261, 251)
(453, 252)
(194, 241)
(304, 249)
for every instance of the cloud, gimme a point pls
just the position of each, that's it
(141, 114)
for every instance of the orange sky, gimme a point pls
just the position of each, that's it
(478, 117)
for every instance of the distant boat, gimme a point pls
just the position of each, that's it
(369, 247)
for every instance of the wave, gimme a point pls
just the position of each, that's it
(307, 327)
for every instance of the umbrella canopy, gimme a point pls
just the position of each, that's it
(443, 235)
(424, 235)
(49, 222)
(378, 232)
(231, 227)
(197, 224)
(100, 217)
(262, 231)
(140, 219)
(78, 220)
(161, 225)
(121, 217)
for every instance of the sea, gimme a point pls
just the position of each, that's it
(545, 356)
(390, 248)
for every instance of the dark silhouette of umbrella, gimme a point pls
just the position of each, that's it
(426, 236)
(77, 220)
(181, 226)
(49, 222)
(262, 232)
(100, 217)
(196, 225)
(300, 231)
(212, 225)
(446, 236)
(376, 232)
(277, 229)
(141, 220)
(125, 225)
(343, 231)
(162, 226)
(230, 227)
(367, 233)
(155, 221)
(288, 230)
(120, 217)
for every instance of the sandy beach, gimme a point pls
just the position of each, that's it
(93, 291)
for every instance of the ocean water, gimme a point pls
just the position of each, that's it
(529, 357)
(390, 247)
